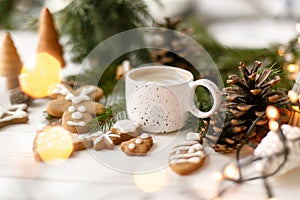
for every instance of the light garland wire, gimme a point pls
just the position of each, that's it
(246, 164)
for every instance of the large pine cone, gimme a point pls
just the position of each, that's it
(246, 100)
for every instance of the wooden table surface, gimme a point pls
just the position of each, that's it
(100, 175)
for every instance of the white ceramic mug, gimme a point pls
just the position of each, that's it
(160, 98)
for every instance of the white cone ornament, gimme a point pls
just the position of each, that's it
(272, 151)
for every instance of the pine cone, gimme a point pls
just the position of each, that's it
(180, 49)
(17, 96)
(245, 101)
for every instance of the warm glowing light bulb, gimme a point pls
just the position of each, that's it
(298, 27)
(273, 125)
(54, 143)
(293, 96)
(281, 51)
(293, 68)
(151, 183)
(218, 176)
(40, 75)
(272, 112)
(231, 171)
(272, 198)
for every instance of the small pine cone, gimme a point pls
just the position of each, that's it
(173, 49)
(17, 96)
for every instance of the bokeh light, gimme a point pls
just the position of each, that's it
(231, 171)
(272, 112)
(293, 68)
(40, 75)
(54, 143)
(273, 125)
(293, 96)
(151, 183)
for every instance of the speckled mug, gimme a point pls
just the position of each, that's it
(160, 98)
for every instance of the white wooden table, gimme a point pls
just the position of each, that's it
(84, 176)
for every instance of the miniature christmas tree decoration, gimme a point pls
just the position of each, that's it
(48, 37)
(10, 62)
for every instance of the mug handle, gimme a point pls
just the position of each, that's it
(216, 96)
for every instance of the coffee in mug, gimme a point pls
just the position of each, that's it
(161, 98)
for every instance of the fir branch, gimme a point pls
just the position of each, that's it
(105, 120)
(49, 119)
(87, 23)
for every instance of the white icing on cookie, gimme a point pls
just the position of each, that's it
(189, 160)
(83, 96)
(13, 112)
(193, 136)
(187, 152)
(61, 89)
(81, 109)
(145, 136)
(76, 115)
(131, 146)
(113, 135)
(71, 123)
(77, 99)
(138, 141)
(126, 126)
(104, 136)
(71, 109)
(85, 136)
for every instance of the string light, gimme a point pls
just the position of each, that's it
(292, 68)
(281, 51)
(293, 96)
(273, 125)
(218, 176)
(231, 171)
(272, 112)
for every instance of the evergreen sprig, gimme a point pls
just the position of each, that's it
(105, 120)
(87, 23)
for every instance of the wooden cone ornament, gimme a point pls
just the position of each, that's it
(48, 37)
(10, 62)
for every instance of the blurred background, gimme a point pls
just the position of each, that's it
(230, 30)
(244, 23)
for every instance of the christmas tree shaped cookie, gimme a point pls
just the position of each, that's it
(48, 37)
(10, 62)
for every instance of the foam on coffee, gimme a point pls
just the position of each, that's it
(161, 76)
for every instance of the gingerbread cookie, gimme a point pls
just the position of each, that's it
(76, 108)
(106, 140)
(15, 114)
(137, 146)
(127, 129)
(83, 141)
(187, 156)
